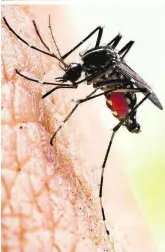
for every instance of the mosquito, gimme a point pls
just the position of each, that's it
(105, 68)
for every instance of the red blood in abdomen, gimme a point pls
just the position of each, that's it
(119, 104)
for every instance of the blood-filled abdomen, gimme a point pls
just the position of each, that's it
(118, 104)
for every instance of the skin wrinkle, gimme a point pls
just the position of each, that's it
(44, 194)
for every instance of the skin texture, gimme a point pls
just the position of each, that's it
(50, 194)
(44, 197)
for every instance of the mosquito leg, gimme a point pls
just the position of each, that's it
(68, 116)
(58, 85)
(92, 93)
(54, 89)
(125, 49)
(100, 32)
(63, 85)
(135, 90)
(25, 42)
(119, 89)
(101, 182)
(92, 97)
(115, 129)
(114, 42)
(74, 85)
(41, 82)
(111, 82)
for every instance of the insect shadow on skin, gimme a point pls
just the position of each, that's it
(106, 69)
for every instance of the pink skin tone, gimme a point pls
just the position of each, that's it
(49, 197)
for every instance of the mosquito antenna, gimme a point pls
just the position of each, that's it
(58, 50)
(25, 42)
(37, 31)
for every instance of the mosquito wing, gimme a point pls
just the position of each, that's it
(124, 69)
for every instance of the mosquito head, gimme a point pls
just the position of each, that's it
(73, 72)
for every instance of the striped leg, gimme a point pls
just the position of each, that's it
(115, 129)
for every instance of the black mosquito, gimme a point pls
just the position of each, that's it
(106, 69)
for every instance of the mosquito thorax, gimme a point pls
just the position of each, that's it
(97, 59)
(73, 72)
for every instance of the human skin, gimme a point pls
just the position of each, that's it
(49, 197)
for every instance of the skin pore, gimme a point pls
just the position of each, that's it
(49, 194)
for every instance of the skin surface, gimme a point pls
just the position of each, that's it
(50, 194)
